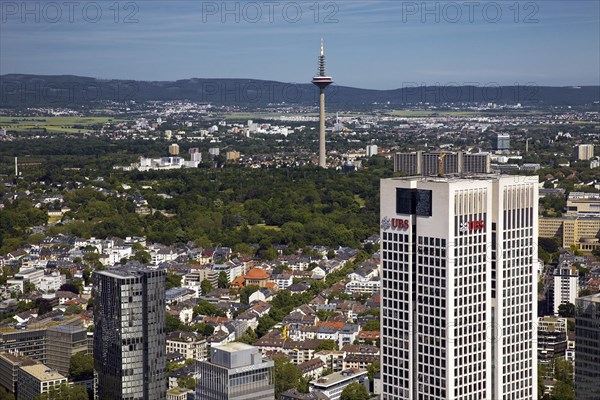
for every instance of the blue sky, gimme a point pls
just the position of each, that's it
(369, 44)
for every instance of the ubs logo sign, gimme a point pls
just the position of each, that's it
(471, 226)
(394, 223)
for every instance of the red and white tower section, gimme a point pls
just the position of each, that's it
(322, 81)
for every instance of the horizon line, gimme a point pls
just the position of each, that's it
(308, 82)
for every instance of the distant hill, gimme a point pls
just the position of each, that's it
(18, 90)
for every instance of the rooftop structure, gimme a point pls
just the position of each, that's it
(236, 371)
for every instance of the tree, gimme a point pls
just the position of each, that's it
(73, 309)
(286, 375)
(304, 384)
(249, 337)
(563, 371)
(203, 329)
(207, 309)
(28, 287)
(246, 292)
(66, 392)
(562, 391)
(223, 280)
(69, 287)
(373, 369)
(81, 366)
(206, 287)
(142, 256)
(43, 306)
(326, 344)
(173, 323)
(4, 395)
(355, 391)
(173, 280)
(92, 259)
(186, 382)
(323, 314)
(372, 325)
(265, 323)
(566, 310)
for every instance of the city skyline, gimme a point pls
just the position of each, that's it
(422, 43)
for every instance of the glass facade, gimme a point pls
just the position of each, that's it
(129, 334)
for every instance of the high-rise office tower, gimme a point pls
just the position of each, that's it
(458, 290)
(129, 333)
(587, 347)
(502, 141)
(322, 81)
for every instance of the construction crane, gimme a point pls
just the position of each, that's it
(441, 164)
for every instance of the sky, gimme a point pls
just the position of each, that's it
(368, 44)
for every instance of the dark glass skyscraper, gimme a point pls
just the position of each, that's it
(129, 333)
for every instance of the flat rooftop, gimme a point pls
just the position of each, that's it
(460, 177)
(594, 298)
(337, 377)
(42, 372)
(233, 347)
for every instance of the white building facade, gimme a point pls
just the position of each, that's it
(458, 289)
(566, 286)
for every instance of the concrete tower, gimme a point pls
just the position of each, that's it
(322, 81)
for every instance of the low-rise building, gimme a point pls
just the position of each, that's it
(331, 386)
(236, 371)
(33, 380)
(188, 344)
(552, 339)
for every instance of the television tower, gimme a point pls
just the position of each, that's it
(322, 81)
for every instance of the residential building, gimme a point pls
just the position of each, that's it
(188, 344)
(174, 149)
(552, 339)
(52, 282)
(371, 150)
(236, 371)
(584, 151)
(129, 333)
(178, 393)
(566, 285)
(458, 290)
(587, 345)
